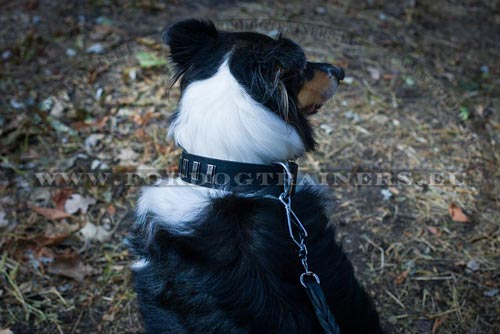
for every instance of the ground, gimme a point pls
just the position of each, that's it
(85, 87)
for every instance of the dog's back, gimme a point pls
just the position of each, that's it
(237, 271)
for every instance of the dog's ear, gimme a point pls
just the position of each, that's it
(187, 38)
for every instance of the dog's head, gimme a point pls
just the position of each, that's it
(274, 72)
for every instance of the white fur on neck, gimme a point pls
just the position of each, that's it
(218, 119)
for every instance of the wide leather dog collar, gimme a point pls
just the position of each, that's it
(232, 175)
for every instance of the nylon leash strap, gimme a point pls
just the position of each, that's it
(309, 280)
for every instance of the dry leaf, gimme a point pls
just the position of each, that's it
(52, 214)
(3, 222)
(456, 213)
(434, 230)
(92, 232)
(6, 331)
(60, 197)
(111, 209)
(70, 265)
(144, 119)
(127, 156)
(394, 190)
(374, 72)
(78, 202)
(437, 323)
(401, 277)
(55, 234)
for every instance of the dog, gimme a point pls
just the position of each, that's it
(220, 260)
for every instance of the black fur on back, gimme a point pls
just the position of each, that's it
(237, 271)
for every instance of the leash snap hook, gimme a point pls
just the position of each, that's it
(288, 180)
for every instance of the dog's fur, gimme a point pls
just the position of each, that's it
(212, 261)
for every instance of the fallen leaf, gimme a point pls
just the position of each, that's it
(52, 214)
(3, 222)
(70, 265)
(60, 197)
(374, 72)
(472, 265)
(77, 203)
(127, 156)
(6, 331)
(437, 323)
(434, 230)
(491, 293)
(149, 59)
(96, 48)
(45, 254)
(92, 140)
(394, 190)
(144, 119)
(480, 110)
(111, 209)
(92, 232)
(386, 194)
(401, 277)
(55, 234)
(456, 213)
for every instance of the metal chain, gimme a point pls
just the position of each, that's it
(298, 234)
(297, 231)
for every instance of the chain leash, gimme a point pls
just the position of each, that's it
(298, 234)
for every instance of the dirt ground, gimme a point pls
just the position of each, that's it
(85, 88)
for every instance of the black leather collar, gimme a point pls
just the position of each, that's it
(233, 176)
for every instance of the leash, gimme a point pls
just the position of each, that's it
(309, 280)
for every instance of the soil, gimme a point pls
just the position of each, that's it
(85, 87)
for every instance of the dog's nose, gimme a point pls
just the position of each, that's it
(336, 71)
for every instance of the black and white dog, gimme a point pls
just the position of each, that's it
(221, 260)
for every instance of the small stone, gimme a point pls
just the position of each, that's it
(374, 72)
(491, 293)
(132, 74)
(95, 164)
(47, 104)
(472, 265)
(320, 10)
(485, 69)
(96, 49)
(70, 52)
(103, 20)
(273, 33)
(327, 128)
(3, 221)
(348, 80)
(92, 140)
(57, 109)
(386, 194)
(16, 104)
(409, 81)
(6, 54)
(98, 93)
(352, 116)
